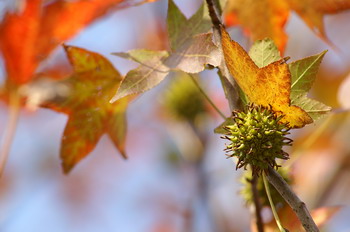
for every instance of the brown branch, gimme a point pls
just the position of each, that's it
(228, 83)
(292, 199)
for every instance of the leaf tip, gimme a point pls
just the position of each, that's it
(123, 154)
(66, 168)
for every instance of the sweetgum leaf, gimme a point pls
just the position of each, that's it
(260, 19)
(19, 33)
(90, 114)
(149, 74)
(180, 29)
(264, 52)
(268, 86)
(29, 36)
(194, 54)
(314, 108)
(304, 73)
(265, 18)
(191, 49)
(141, 55)
(220, 129)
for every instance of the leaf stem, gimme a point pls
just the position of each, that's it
(277, 219)
(9, 132)
(206, 96)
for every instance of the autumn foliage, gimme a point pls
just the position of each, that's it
(95, 96)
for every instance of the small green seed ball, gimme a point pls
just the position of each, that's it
(256, 138)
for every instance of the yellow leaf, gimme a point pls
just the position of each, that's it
(266, 86)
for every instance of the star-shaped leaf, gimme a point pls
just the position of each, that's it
(29, 36)
(266, 18)
(260, 19)
(191, 49)
(90, 114)
(268, 86)
(304, 73)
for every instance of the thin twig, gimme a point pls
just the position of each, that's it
(9, 132)
(274, 212)
(257, 204)
(292, 199)
(206, 96)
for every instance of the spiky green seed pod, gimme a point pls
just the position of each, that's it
(256, 138)
(183, 99)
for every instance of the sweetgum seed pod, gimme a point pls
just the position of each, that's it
(256, 138)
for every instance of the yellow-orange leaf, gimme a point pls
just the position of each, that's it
(266, 18)
(90, 115)
(266, 86)
(312, 12)
(260, 19)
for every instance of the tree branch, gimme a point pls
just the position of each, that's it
(228, 83)
(292, 199)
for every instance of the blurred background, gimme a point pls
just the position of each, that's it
(177, 177)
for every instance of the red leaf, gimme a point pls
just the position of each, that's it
(18, 42)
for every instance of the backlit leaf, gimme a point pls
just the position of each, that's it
(146, 76)
(304, 73)
(191, 49)
(28, 37)
(264, 52)
(266, 86)
(194, 54)
(314, 108)
(313, 11)
(260, 19)
(181, 29)
(90, 115)
(267, 18)
(18, 36)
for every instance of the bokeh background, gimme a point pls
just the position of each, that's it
(177, 177)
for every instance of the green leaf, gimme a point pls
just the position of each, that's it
(180, 29)
(90, 115)
(314, 108)
(220, 129)
(264, 52)
(304, 73)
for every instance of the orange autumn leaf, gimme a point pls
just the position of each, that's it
(18, 37)
(28, 37)
(266, 86)
(62, 19)
(260, 19)
(267, 18)
(312, 12)
(90, 115)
